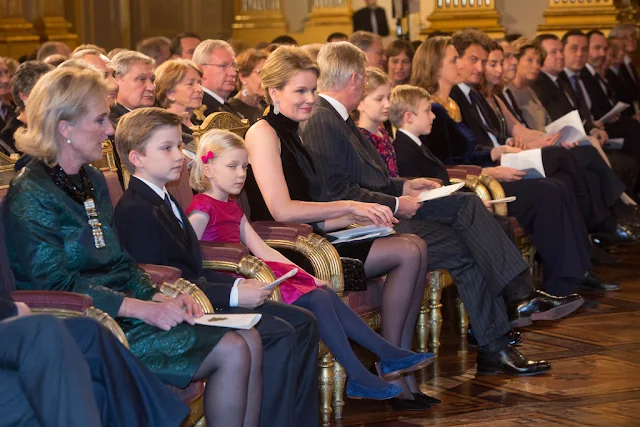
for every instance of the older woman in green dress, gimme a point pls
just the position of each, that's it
(59, 233)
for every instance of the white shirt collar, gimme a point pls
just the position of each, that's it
(570, 73)
(590, 69)
(215, 95)
(551, 76)
(341, 109)
(627, 60)
(159, 191)
(412, 136)
(466, 89)
(615, 69)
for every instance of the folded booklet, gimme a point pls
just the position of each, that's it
(439, 192)
(358, 233)
(570, 128)
(529, 161)
(234, 321)
(280, 279)
(617, 109)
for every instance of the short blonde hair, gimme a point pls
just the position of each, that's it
(123, 61)
(135, 128)
(216, 141)
(284, 63)
(203, 52)
(405, 98)
(61, 94)
(168, 75)
(338, 61)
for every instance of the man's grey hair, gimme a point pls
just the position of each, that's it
(124, 60)
(338, 61)
(619, 29)
(202, 54)
(364, 39)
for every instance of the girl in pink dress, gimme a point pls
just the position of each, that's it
(219, 170)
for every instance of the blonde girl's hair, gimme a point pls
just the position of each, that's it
(62, 94)
(216, 141)
(375, 78)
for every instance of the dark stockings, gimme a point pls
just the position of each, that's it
(337, 323)
(404, 259)
(228, 370)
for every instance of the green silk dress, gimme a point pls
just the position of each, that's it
(51, 247)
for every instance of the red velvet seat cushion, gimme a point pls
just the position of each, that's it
(54, 299)
(365, 301)
(161, 273)
(223, 252)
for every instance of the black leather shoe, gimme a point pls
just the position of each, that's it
(593, 282)
(420, 402)
(542, 306)
(515, 338)
(510, 362)
(620, 235)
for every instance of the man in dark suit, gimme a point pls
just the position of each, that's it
(371, 18)
(461, 235)
(154, 229)
(220, 69)
(134, 75)
(627, 35)
(371, 45)
(558, 99)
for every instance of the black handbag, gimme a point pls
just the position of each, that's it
(354, 278)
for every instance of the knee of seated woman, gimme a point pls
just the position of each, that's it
(235, 347)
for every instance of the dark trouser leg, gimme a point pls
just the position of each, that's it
(290, 383)
(463, 237)
(629, 130)
(134, 396)
(44, 378)
(560, 164)
(625, 168)
(545, 208)
(601, 177)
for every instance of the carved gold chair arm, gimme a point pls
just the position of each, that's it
(182, 286)
(497, 192)
(108, 322)
(474, 184)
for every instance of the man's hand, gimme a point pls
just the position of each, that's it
(497, 152)
(416, 186)
(517, 142)
(600, 135)
(407, 206)
(250, 294)
(545, 140)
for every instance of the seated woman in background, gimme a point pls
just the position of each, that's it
(60, 236)
(219, 170)
(278, 188)
(249, 101)
(399, 58)
(179, 89)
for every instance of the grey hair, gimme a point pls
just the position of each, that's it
(123, 61)
(203, 51)
(337, 62)
(620, 28)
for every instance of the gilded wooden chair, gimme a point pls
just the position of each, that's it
(8, 160)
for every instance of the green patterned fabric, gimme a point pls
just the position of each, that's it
(50, 246)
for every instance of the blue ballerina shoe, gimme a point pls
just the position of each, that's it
(390, 369)
(357, 391)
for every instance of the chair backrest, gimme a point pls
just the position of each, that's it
(113, 185)
(180, 189)
(221, 120)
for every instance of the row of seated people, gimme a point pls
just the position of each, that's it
(288, 180)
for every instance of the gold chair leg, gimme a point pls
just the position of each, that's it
(435, 315)
(339, 384)
(326, 387)
(464, 319)
(422, 325)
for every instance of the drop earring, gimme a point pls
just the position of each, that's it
(244, 89)
(276, 107)
(68, 140)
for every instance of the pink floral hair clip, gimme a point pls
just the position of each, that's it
(207, 156)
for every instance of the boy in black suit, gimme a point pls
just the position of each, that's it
(154, 229)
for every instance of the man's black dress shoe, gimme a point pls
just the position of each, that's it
(510, 362)
(620, 235)
(515, 338)
(420, 402)
(542, 306)
(425, 399)
(593, 282)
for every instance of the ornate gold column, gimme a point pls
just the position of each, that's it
(454, 15)
(258, 20)
(563, 15)
(17, 36)
(51, 23)
(327, 16)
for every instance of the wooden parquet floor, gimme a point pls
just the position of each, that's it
(595, 380)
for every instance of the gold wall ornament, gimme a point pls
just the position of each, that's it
(258, 21)
(454, 15)
(17, 35)
(50, 22)
(564, 15)
(326, 17)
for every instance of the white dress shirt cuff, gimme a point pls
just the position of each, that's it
(397, 205)
(233, 296)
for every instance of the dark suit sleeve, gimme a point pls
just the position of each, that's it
(383, 27)
(328, 145)
(409, 164)
(139, 234)
(7, 308)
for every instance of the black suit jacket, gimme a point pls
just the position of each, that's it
(600, 101)
(633, 85)
(471, 118)
(116, 112)
(151, 234)
(348, 166)
(362, 21)
(417, 161)
(213, 106)
(623, 91)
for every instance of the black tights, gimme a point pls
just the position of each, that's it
(233, 371)
(403, 258)
(337, 324)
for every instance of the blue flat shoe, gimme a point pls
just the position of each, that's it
(390, 369)
(357, 391)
